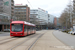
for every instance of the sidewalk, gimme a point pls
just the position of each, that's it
(49, 42)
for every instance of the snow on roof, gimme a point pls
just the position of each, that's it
(29, 23)
(23, 22)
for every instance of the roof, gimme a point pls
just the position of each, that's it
(29, 23)
(24, 22)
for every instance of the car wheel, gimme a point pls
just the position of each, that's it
(71, 33)
(74, 33)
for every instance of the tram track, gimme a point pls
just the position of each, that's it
(3, 41)
(5, 38)
(35, 41)
(13, 43)
(29, 47)
(15, 46)
(23, 42)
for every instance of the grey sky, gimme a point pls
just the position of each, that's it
(54, 7)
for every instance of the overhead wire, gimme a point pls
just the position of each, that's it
(33, 8)
(30, 3)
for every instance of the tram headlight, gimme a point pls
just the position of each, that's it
(21, 34)
(11, 34)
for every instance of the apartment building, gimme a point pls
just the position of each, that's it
(51, 18)
(6, 13)
(22, 12)
(7, 7)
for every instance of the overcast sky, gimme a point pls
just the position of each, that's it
(54, 7)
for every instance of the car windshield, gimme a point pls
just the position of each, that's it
(17, 27)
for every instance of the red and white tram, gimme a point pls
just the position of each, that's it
(21, 28)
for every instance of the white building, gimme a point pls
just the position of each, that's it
(42, 14)
(39, 15)
(51, 18)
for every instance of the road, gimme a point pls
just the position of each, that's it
(42, 40)
(4, 33)
(68, 39)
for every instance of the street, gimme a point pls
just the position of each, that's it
(68, 39)
(42, 40)
(4, 33)
(27, 25)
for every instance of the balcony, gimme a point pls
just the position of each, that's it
(12, 3)
(12, 14)
(12, 10)
(12, 0)
(74, 4)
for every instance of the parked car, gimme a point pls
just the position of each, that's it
(6, 30)
(72, 32)
(63, 30)
(67, 30)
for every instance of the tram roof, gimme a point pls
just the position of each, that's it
(24, 22)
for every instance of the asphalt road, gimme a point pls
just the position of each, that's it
(4, 33)
(42, 40)
(67, 39)
(64, 37)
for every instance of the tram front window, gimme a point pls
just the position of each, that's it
(17, 27)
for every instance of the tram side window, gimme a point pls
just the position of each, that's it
(25, 28)
(31, 28)
(28, 27)
(34, 28)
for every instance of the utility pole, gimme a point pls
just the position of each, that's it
(66, 23)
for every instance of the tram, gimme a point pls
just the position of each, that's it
(22, 28)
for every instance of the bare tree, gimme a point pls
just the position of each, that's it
(65, 18)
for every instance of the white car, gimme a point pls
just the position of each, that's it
(72, 32)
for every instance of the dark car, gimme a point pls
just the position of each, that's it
(63, 30)
(37, 29)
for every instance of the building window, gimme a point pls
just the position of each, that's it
(20, 8)
(25, 15)
(1, 7)
(23, 8)
(1, 0)
(1, 10)
(12, 4)
(1, 3)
